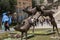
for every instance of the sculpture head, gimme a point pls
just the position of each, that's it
(17, 27)
(26, 9)
(39, 7)
(30, 11)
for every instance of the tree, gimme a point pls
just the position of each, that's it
(7, 5)
(36, 2)
(41, 1)
(33, 3)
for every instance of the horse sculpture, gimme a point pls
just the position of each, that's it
(26, 24)
(46, 13)
(33, 12)
(50, 14)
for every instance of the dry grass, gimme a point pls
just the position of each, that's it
(40, 34)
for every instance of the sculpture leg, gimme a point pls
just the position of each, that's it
(57, 30)
(22, 36)
(41, 23)
(35, 23)
(55, 25)
(26, 35)
(56, 6)
(53, 29)
(33, 29)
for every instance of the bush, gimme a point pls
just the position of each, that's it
(41, 1)
(7, 5)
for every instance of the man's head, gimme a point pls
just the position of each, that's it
(8, 12)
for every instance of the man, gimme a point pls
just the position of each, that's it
(6, 26)
(10, 20)
(4, 19)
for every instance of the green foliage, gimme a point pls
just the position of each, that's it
(7, 5)
(33, 3)
(41, 1)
